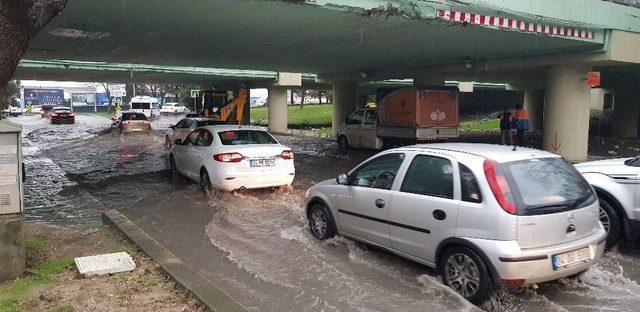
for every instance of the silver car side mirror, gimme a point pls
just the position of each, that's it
(342, 179)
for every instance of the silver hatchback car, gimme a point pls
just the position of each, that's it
(483, 215)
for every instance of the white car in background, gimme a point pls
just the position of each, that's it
(173, 108)
(145, 105)
(186, 126)
(617, 183)
(232, 157)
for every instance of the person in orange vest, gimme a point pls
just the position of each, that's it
(521, 120)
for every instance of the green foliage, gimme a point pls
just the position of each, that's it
(65, 308)
(132, 250)
(43, 275)
(54, 267)
(9, 306)
(35, 244)
(150, 283)
(8, 94)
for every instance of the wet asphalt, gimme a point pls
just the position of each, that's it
(256, 245)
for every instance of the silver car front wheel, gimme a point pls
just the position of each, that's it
(321, 222)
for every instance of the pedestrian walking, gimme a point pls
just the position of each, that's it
(521, 119)
(506, 127)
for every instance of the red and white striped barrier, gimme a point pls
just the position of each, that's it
(509, 23)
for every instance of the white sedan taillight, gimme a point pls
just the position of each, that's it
(288, 154)
(228, 157)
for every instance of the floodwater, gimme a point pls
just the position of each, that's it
(76, 171)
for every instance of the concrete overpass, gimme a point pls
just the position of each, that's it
(546, 47)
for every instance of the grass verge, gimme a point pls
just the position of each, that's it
(310, 115)
(480, 125)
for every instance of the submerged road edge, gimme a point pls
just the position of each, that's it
(210, 295)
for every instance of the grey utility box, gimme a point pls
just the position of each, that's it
(11, 192)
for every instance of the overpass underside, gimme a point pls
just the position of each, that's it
(348, 43)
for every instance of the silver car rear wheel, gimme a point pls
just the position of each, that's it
(462, 275)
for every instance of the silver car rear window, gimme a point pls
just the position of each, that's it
(546, 185)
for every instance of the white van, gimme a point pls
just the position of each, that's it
(144, 104)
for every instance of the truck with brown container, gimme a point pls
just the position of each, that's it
(401, 117)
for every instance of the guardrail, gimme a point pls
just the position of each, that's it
(631, 3)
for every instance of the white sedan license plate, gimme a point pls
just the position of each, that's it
(262, 162)
(569, 259)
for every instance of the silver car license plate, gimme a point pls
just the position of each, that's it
(269, 162)
(569, 259)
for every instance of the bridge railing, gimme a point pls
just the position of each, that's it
(632, 3)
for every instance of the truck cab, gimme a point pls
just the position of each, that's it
(359, 130)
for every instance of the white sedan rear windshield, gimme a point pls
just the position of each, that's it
(62, 110)
(242, 137)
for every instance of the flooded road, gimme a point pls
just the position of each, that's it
(256, 246)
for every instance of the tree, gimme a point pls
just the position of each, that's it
(21, 20)
(9, 94)
(105, 85)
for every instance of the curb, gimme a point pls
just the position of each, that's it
(211, 296)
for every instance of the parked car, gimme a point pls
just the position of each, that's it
(60, 115)
(44, 110)
(616, 181)
(173, 108)
(232, 157)
(12, 110)
(483, 215)
(186, 126)
(131, 122)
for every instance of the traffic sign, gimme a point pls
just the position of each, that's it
(593, 79)
(116, 90)
(194, 93)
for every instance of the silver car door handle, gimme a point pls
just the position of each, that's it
(380, 203)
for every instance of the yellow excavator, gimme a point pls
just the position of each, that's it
(216, 106)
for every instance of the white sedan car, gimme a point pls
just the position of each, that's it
(173, 108)
(232, 157)
(186, 126)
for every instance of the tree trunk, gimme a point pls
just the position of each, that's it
(303, 94)
(21, 20)
(319, 97)
(291, 96)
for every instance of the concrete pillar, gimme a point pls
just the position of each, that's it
(345, 97)
(12, 247)
(566, 111)
(277, 109)
(428, 80)
(534, 104)
(625, 112)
